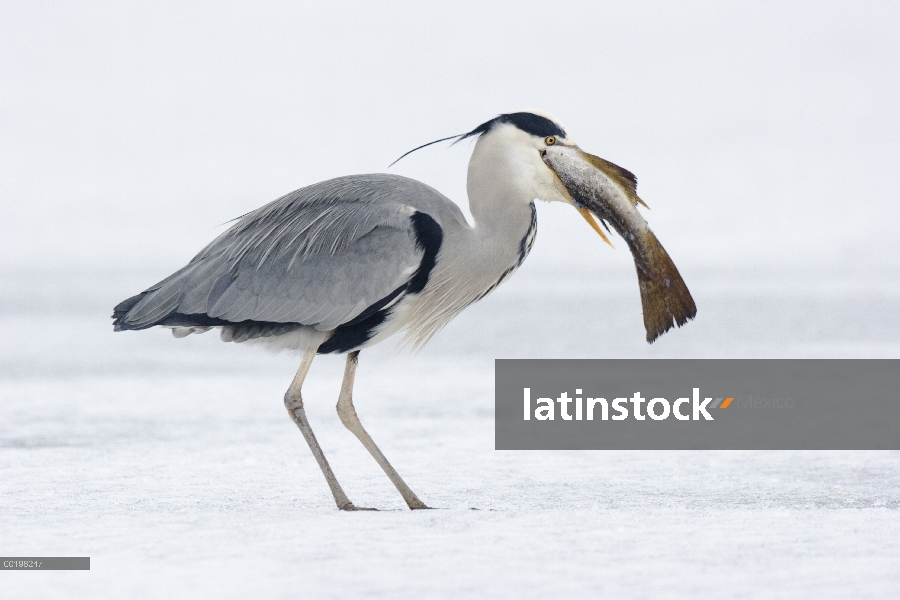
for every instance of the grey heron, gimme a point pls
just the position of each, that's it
(341, 265)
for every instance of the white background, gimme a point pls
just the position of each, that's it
(765, 138)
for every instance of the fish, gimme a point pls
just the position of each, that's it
(608, 192)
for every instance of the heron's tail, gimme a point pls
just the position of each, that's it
(156, 305)
(121, 310)
(664, 296)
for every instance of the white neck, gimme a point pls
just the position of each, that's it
(500, 181)
(506, 174)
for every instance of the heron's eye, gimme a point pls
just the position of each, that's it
(550, 140)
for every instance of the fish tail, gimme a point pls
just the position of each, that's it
(665, 298)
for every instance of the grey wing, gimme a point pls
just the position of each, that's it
(322, 256)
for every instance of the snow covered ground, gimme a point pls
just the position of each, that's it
(172, 463)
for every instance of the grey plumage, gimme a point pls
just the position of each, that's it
(319, 257)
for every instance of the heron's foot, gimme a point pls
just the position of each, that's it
(418, 505)
(352, 507)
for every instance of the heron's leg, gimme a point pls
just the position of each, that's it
(293, 401)
(349, 418)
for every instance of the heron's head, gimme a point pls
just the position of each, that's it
(508, 154)
(527, 156)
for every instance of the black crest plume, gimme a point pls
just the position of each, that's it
(528, 122)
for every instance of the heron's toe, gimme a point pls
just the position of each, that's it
(351, 507)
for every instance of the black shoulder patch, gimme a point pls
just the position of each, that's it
(429, 237)
(528, 122)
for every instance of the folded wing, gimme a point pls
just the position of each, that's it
(322, 256)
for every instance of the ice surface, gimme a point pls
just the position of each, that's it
(172, 463)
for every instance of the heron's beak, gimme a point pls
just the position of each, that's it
(593, 184)
(588, 216)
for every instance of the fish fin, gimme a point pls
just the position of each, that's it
(623, 177)
(665, 299)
